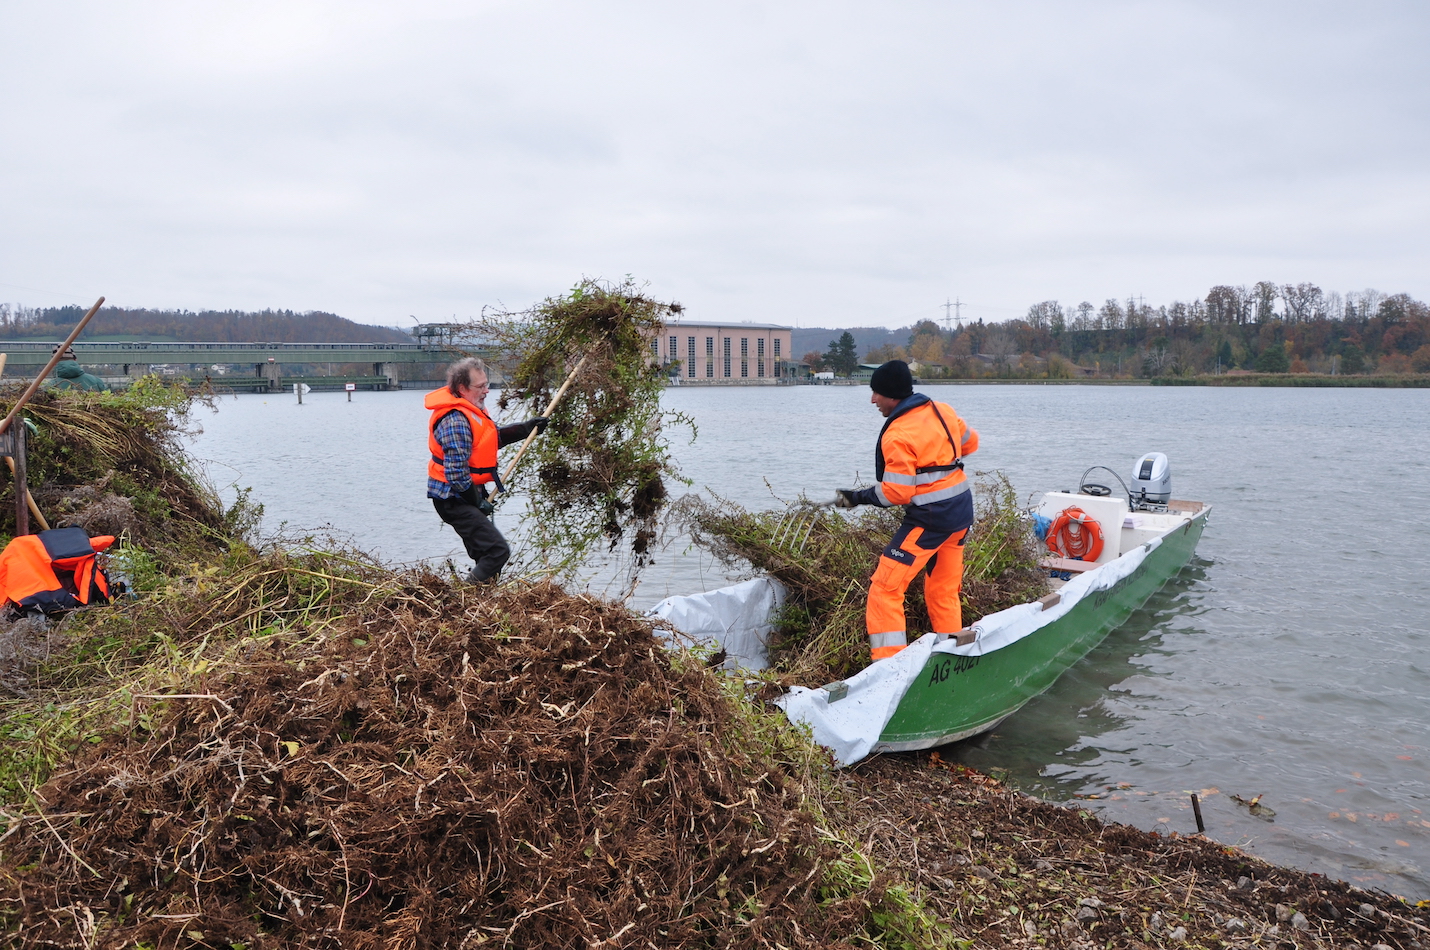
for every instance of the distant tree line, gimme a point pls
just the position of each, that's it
(816, 339)
(1264, 328)
(183, 326)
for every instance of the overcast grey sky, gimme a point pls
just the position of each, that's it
(825, 163)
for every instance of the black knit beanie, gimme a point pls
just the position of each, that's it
(893, 380)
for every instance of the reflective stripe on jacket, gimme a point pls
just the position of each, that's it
(54, 570)
(483, 461)
(918, 458)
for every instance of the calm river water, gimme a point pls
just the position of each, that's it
(1289, 660)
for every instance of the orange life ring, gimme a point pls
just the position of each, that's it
(1075, 534)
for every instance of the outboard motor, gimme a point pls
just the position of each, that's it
(1151, 480)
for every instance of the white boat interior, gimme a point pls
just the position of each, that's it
(1122, 527)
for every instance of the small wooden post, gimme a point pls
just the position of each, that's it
(13, 448)
(1197, 812)
(22, 485)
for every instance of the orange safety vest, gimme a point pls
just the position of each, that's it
(483, 462)
(54, 570)
(919, 458)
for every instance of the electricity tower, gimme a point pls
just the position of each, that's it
(956, 307)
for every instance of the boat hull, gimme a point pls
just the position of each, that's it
(956, 697)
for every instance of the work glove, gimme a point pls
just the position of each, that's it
(844, 498)
(519, 431)
(477, 497)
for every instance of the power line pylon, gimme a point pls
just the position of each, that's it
(956, 306)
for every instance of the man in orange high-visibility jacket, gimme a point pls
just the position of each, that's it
(918, 463)
(462, 442)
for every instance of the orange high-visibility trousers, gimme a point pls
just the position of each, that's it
(898, 566)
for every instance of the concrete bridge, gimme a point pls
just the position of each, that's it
(244, 365)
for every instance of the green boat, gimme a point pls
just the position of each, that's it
(942, 689)
(939, 691)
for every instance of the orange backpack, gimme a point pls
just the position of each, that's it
(53, 571)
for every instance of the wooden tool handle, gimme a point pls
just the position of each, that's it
(29, 498)
(54, 358)
(550, 408)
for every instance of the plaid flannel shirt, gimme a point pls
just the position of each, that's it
(455, 436)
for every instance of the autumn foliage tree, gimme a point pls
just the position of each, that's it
(1265, 327)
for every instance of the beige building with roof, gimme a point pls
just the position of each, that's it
(726, 352)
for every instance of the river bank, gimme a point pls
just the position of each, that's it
(1306, 380)
(209, 715)
(1293, 380)
(1256, 671)
(319, 750)
(1000, 868)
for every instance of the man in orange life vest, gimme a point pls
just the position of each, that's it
(918, 463)
(463, 443)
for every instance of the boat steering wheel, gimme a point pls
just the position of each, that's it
(1095, 490)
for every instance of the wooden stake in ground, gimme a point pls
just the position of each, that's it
(19, 483)
(29, 498)
(30, 391)
(550, 408)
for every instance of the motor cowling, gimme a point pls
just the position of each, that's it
(1151, 479)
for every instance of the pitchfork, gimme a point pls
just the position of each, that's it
(792, 532)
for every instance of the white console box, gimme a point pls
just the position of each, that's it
(1108, 512)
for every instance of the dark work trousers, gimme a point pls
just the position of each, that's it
(484, 542)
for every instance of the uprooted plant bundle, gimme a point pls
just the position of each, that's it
(826, 559)
(598, 472)
(428, 766)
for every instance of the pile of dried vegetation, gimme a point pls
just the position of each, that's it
(598, 473)
(113, 463)
(338, 756)
(826, 558)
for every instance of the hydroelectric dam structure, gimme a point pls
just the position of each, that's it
(252, 367)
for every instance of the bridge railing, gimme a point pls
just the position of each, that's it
(99, 347)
